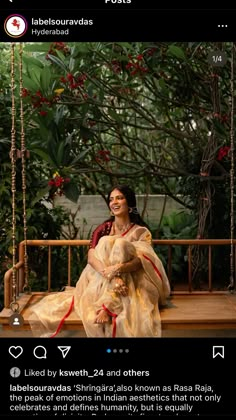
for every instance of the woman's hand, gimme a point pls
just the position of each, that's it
(110, 272)
(120, 287)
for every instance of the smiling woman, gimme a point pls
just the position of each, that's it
(119, 292)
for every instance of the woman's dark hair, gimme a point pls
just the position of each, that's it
(131, 201)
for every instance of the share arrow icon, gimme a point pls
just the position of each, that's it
(64, 350)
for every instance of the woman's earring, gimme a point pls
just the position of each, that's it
(133, 210)
(111, 213)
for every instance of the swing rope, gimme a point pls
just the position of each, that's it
(23, 172)
(14, 154)
(13, 305)
(232, 250)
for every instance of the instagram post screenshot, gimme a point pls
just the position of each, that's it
(117, 216)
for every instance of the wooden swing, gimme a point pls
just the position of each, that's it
(186, 311)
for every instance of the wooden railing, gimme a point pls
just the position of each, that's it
(190, 243)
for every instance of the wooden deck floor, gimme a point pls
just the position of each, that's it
(187, 315)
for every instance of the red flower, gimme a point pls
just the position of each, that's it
(139, 57)
(25, 92)
(70, 77)
(58, 182)
(43, 113)
(103, 155)
(223, 151)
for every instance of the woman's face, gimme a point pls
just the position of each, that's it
(118, 204)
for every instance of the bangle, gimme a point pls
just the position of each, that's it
(118, 272)
(112, 273)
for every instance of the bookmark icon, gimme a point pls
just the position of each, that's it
(218, 351)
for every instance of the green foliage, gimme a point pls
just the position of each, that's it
(148, 104)
(177, 225)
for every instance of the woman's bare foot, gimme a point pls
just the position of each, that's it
(102, 317)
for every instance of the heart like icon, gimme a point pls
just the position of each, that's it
(15, 351)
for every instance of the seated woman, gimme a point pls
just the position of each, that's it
(119, 292)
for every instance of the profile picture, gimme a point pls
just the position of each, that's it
(15, 26)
